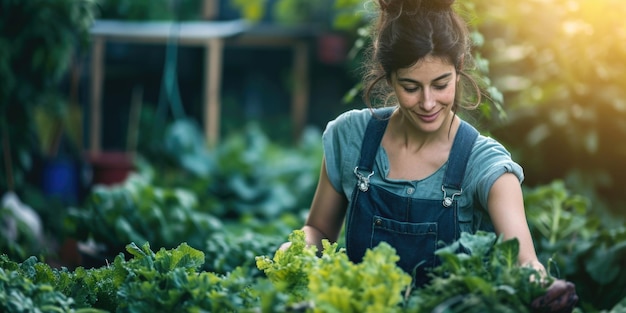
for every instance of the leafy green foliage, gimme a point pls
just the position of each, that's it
(227, 250)
(34, 287)
(36, 57)
(165, 281)
(18, 294)
(39, 38)
(557, 215)
(290, 268)
(261, 179)
(578, 245)
(332, 283)
(251, 182)
(570, 237)
(137, 211)
(247, 175)
(486, 278)
(483, 276)
(374, 285)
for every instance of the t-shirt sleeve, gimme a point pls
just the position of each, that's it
(491, 160)
(330, 141)
(332, 137)
(341, 141)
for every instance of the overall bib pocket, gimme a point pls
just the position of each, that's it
(415, 243)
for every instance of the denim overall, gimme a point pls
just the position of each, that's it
(414, 227)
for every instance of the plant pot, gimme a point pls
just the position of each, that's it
(332, 48)
(110, 167)
(66, 256)
(60, 179)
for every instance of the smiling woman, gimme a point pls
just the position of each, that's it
(413, 174)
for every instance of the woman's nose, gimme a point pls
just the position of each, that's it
(428, 100)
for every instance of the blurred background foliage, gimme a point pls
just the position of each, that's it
(560, 66)
(150, 10)
(39, 42)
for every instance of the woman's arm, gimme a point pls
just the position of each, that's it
(327, 213)
(506, 208)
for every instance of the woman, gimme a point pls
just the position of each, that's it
(413, 173)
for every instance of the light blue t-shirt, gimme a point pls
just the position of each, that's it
(342, 140)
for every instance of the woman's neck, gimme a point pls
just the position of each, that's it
(404, 133)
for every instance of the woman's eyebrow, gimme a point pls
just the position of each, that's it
(409, 80)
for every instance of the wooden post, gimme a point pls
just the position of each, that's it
(97, 73)
(212, 73)
(300, 96)
(210, 9)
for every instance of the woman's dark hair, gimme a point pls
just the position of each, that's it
(405, 32)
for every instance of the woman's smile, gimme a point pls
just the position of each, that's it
(429, 118)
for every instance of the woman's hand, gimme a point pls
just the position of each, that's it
(560, 297)
(285, 246)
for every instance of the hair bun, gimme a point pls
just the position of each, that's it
(437, 4)
(395, 7)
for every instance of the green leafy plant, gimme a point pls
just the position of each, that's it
(374, 285)
(261, 179)
(485, 278)
(481, 277)
(290, 268)
(332, 283)
(227, 250)
(162, 281)
(138, 211)
(578, 244)
(170, 280)
(246, 176)
(33, 287)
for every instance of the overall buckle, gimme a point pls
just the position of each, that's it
(364, 181)
(447, 201)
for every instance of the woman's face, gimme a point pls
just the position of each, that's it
(426, 92)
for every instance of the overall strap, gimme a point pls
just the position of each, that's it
(457, 162)
(372, 137)
(371, 141)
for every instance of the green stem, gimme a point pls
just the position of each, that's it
(556, 209)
